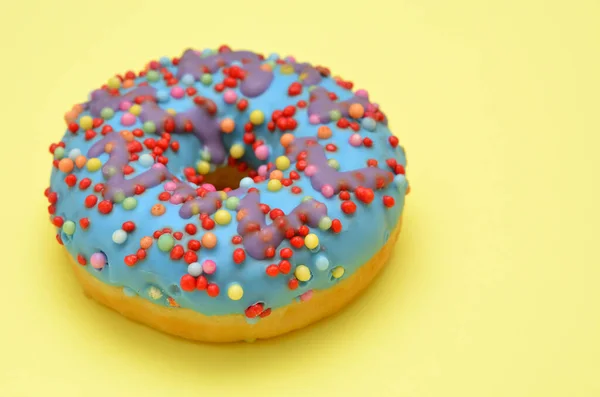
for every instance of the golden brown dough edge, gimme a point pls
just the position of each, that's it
(190, 324)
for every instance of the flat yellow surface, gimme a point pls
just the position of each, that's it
(494, 289)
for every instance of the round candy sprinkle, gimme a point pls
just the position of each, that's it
(129, 203)
(333, 163)
(127, 119)
(335, 115)
(262, 152)
(93, 164)
(165, 61)
(98, 260)
(146, 242)
(80, 161)
(222, 217)
(311, 241)
(165, 242)
(310, 170)
(68, 228)
(136, 109)
(107, 113)
(257, 117)
(327, 191)
(324, 132)
(314, 119)
(229, 96)
(177, 92)
(187, 79)
(162, 96)
(194, 269)
(355, 140)
(368, 124)
(400, 181)
(124, 105)
(232, 203)
(325, 223)
(59, 153)
(286, 139)
(146, 160)
(356, 110)
(237, 150)
(86, 122)
(152, 76)
(246, 182)
(113, 83)
(274, 185)
(235, 292)
(209, 266)
(282, 163)
(337, 272)
(209, 240)
(321, 262)
(203, 167)
(302, 273)
(227, 125)
(158, 209)
(119, 236)
(149, 127)
(206, 79)
(66, 165)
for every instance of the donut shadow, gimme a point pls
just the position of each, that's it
(190, 357)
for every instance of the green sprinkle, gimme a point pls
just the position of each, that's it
(119, 196)
(107, 113)
(68, 228)
(325, 223)
(149, 127)
(59, 153)
(129, 203)
(333, 163)
(152, 76)
(335, 115)
(165, 242)
(206, 79)
(306, 198)
(232, 203)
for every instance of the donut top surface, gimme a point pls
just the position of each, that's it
(325, 182)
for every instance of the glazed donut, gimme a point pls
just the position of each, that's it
(227, 196)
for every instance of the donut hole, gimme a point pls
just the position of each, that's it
(226, 177)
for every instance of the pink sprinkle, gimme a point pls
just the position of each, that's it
(128, 119)
(290, 59)
(158, 166)
(327, 190)
(262, 170)
(262, 152)
(229, 96)
(209, 187)
(355, 140)
(170, 186)
(371, 107)
(176, 199)
(314, 119)
(124, 105)
(306, 296)
(209, 266)
(362, 93)
(310, 170)
(177, 92)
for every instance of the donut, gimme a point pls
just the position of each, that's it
(226, 196)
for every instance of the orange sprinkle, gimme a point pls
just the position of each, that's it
(65, 165)
(146, 242)
(356, 110)
(276, 174)
(209, 240)
(80, 161)
(324, 132)
(227, 126)
(158, 209)
(286, 139)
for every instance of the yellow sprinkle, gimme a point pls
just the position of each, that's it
(257, 117)
(311, 241)
(135, 109)
(235, 292)
(113, 83)
(337, 272)
(274, 185)
(302, 76)
(237, 151)
(286, 69)
(282, 163)
(223, 195)
(86, 122)
(172, 112)
(203, 167)
(222, 217)
(94, 164)
(302, 273)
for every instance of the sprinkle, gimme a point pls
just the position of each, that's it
(177, 92)
(310, 170)
(237, 150)
(356, 110)
(229, 96)
(94, 164)
(158, 209)
(162, 96)
(209, 240)
(165, 242)
(327, 191)
(337, 272)
(187, 79)
(246, 182)
(194, 269)
(262, 152)
(113, 83)
(257, 117)
(66, 165)
(335, 115)
(119, 236)
(98, 260)
(146, 242)
(282, 163)
(333, 163)
(314, 119)
(86, 122)
(232, 203)
(400, 181)
(325, 223)
(136, 110)
(209, 266)
(107, 113)
(321, 262)
(124, 105)
(368, 124)
(311, 241)
(235, 292)
(68, 228)
(286, 69)
(206, 79)
(286, 139)
(222, 217)
(274, 185)
(227, 125)
(59, 153)
(324, 132)
(276, 174)
(203, 167)
(152, 76)
(149, 127)
(302, 273)
(355, 140)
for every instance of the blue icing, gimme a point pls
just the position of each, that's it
(363, 234)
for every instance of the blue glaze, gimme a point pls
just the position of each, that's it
(364, 233)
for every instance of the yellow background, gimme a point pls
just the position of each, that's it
(494, 286)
